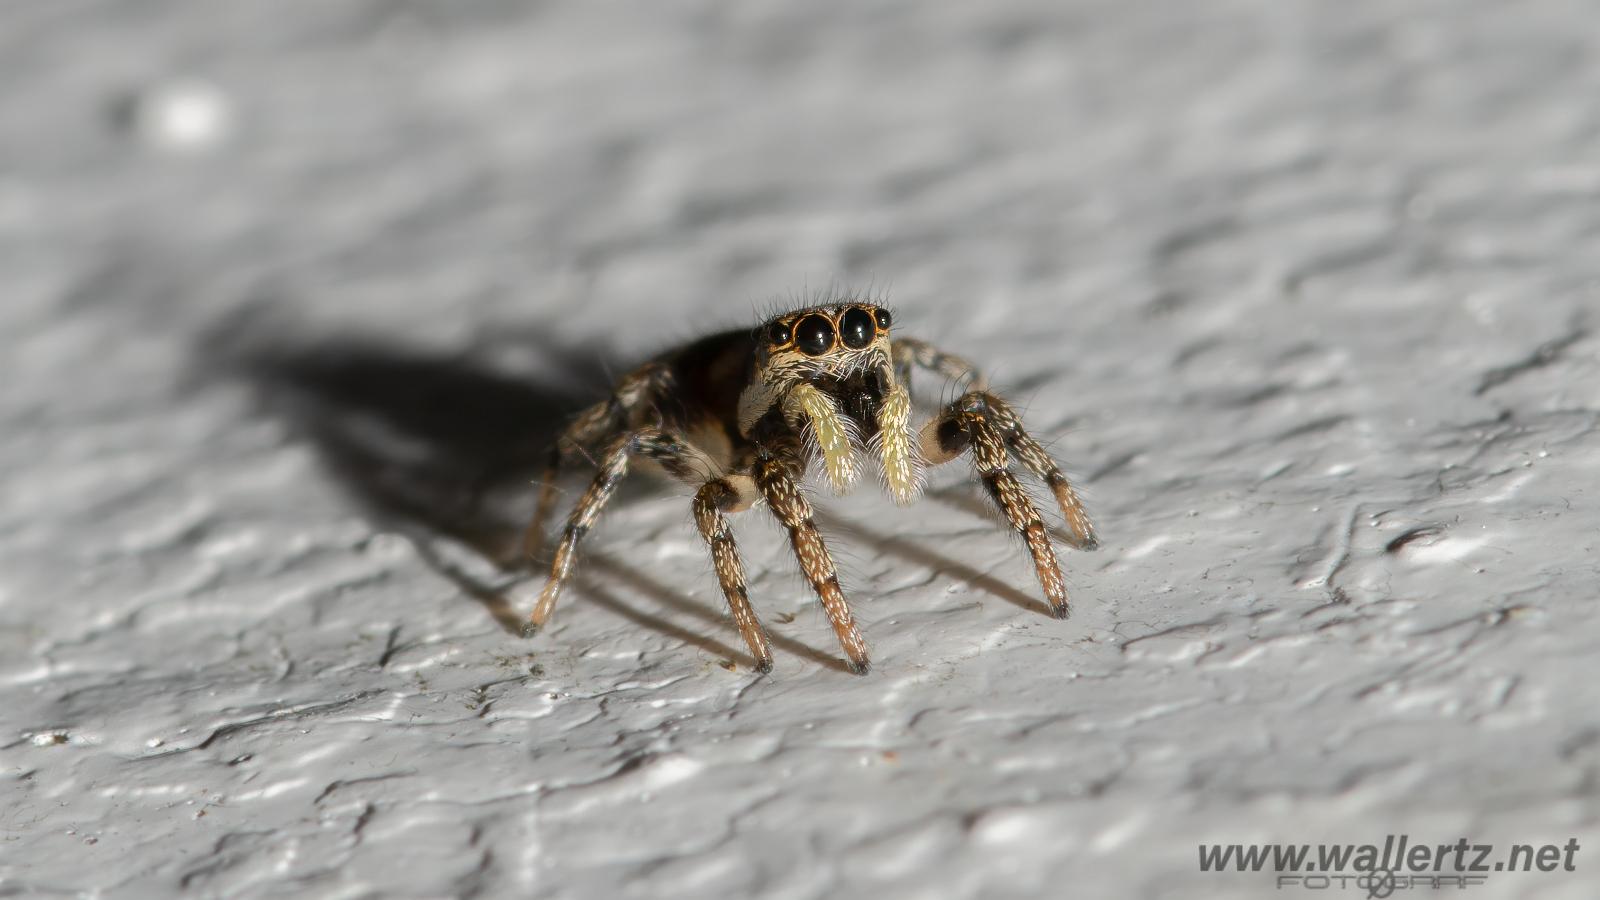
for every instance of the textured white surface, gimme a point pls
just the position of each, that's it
(289, 287)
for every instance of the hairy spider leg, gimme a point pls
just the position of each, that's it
(969, 427)
(1039, 462)
(634, 392)
(679, 459)
(613, 466)
(710, 502)
(910, 352)
(716, 495)
(778, 482)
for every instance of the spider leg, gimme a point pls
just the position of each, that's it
(970, 427)
(613, 466)
(909, 352)
(1038, 461)
(674, 455)
(717, 494)
(779, 485)
(603, 419)
(533, 535)
(714, 497)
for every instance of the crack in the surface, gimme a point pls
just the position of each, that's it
(1544, 355)
(1335, 261)
(295, 712)
(1411, 535)
(350, 782)
(1429, 661)
(1315, 426)
(225, 854)
(1340, 557)
(391, 646)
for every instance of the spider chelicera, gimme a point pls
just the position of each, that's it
(742, 415)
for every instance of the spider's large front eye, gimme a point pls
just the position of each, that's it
(814, 335)
(778, 333)
(855, 328)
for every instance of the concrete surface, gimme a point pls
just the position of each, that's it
(294, 292)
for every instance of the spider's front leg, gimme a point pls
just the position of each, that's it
(983, 425)
(1039, 462)
(731, 493)
(779, 484)
(909, 353)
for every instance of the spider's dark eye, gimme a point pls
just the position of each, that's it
(778, 333)
(883, 319)
(855, 328)
(814, 335)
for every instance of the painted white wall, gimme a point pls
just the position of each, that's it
(1282, 283)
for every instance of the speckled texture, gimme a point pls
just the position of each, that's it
(294, 292)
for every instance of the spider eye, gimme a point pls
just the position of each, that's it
(883, 319)
(814, 335)
(855, 328)
(778, 333)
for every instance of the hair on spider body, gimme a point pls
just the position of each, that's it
(743, 416)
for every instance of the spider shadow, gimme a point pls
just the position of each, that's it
(667, 597)
(943, 565)
(961, 497)
(442, 448)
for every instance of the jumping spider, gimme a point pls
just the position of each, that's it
(740, 416)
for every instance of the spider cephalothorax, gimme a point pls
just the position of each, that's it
(741, 416)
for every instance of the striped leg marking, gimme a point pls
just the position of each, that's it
(910, 352)
(782, 493)
(613, 466)
(709, 503)
(675, 456)
(1042, 466)
(606, 417)
(972, 430)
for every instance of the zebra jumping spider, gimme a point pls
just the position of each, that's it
(742, 415)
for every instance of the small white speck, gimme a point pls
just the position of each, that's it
(183, 116)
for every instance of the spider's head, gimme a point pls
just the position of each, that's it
(830, 370)
(824, 340)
